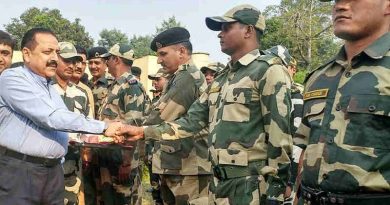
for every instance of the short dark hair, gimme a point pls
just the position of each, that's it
(188, 46)
(127, 61)
(6, 39)
(28, 40)
(81, 50)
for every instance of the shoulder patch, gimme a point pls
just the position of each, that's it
(132, 81)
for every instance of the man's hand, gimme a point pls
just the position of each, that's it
(132, 133)
(112, 127)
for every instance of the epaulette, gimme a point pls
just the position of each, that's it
(319, 68)
(270, 59)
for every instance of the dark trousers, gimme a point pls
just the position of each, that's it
(25, 183)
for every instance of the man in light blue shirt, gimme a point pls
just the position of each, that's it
(33, 125)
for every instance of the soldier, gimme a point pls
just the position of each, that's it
(159, 80)
(345, 126)
(136, 72)
(182, 164)
(78, 74)
(7, 45)
(100, 78)
(75, 100)
(126, 101)
(210, 71)
(296, 113)
(247, 108)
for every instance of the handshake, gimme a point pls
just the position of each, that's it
(121, 133)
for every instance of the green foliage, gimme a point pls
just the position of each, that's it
(108, 38)
(304, 27)
(299, 77)
(141, 45)
(166, 24)
(52, 19)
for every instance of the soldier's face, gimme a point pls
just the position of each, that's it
(80, 68)
(159, 83)
(357, 19)
(97, 67)
(231, 37)
(5, 57)
(66, 68)
(42, 59)
(169, 58)
(209, 75)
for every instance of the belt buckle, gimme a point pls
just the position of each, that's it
(48, 163)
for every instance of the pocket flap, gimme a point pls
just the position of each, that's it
(369, 104)
(239, 95)
(233, 157)
(170, 146)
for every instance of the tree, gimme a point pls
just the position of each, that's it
(166, 24)
(141, 45)
(52, 19)
(303, 26)
(108, 38)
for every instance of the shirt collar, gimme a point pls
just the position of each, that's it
(41, 79)
(245, 60)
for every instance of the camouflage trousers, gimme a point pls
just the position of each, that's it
(72, 176)
(183, 190)
(113, 190)
(237, 191)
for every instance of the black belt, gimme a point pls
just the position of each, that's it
(316, 196)
(36, 160)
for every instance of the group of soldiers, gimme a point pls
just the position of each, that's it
(244, 133)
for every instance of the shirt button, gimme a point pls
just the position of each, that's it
(338, 107)
(348, 74)
(235, 99)
(233, 161)
(324, 176)
(371, 108)
(330, 141)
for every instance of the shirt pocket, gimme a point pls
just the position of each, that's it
(170, 156)
(313, 115)
(369, 121)
(237, 105)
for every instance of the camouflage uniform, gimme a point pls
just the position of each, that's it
(296, 112)
(346, 127)
(75, 100)
(182, 164)
(100, 89)
(91, 102)
(126, 102)
(247, 109)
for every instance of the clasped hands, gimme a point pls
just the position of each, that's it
(121, 132)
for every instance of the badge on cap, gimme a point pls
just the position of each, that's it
(159, 45)
(97, 54)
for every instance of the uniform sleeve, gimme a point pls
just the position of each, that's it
(187, 126)
(276, 109)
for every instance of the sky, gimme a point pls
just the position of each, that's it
(138, 17)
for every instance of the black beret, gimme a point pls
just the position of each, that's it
(136, 71)
(96, 52)
(169, 37)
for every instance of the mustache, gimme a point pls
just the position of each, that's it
(52, 63)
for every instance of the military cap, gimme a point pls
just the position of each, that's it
(96, 52)
(245, 14)
(281, 52)
(160, 73)
(216, 67)
(67, 50)
(136, 71)
(121, 50)
(169, 37)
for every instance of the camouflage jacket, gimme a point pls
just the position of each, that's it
(183, 156)
(100, 89)
(297, 105)
(346, 122)
(91, 102)
(247, 108)
(125, 101)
